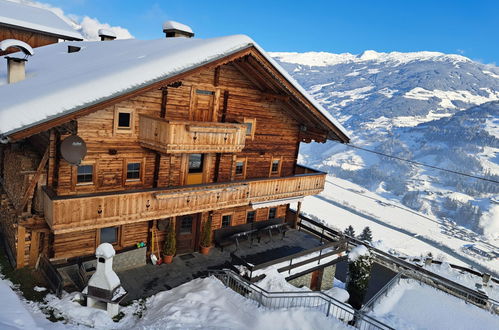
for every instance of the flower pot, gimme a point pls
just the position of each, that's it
(167, 259)
(205, 249)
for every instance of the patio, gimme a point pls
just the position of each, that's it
(150, 279)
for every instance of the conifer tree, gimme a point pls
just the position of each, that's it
(360, 263)
(349, 231)
(366, 234)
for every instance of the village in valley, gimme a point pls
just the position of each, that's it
(189, 182)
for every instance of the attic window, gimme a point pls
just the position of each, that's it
(124, 120)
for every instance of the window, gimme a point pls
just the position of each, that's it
(196, 163)
(124, 120)
(85, 174)
(186, 225)
(109, 235)
(250, 216)
(226, 220)
(275, 166)
(133, 171)
(204, 92)
(250, 127)
(240, 168)
(272, 212)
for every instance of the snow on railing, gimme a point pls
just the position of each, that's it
(304, 299)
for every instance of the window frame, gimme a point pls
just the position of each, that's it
(123, 129)
(118, 236)
(134, 171)
(251, 121)
(275, 213)
(201, 169)
(279, 167)
(254, 217)
(243, 174)
(231, 215)
(75, 175)
(127, 181)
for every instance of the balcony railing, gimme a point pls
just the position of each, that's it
(169, 136)
(75, 213)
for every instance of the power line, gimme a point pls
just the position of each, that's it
(422, 164)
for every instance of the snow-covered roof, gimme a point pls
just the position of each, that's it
(172, 25)
(24, 47)
(106, 32)
(34, 18)
(59, 83)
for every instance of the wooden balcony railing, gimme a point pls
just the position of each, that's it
(82, 212)
(169, 136)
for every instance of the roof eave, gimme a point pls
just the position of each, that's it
(60, 36)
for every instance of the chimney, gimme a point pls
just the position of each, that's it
(16, 67)
(106, 35)
(174, 29)
(16, 70)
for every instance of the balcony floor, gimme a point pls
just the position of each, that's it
(145, 281)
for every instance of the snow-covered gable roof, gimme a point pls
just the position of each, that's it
(59, 83)
(33, 18)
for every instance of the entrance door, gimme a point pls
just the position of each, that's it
(203, 105)
(195, 169)
(187, 227)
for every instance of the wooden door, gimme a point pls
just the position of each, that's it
(187, 230)
(203, 105)
(195, 168)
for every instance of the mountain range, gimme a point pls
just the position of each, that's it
(429, 107)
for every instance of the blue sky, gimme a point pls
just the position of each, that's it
(470, 27)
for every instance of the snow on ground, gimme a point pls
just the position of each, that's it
(200, 304)
(13, 314)
(410, 305)
(343, 203)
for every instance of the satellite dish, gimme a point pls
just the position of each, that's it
(73, 149)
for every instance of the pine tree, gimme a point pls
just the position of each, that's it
(359, 272)
(349, 231)
(366, 234)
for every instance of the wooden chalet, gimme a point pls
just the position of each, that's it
(35, 26)
(176, 129)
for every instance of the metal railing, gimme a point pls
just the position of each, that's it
(316, 300)
(408, 269)
(368, 306)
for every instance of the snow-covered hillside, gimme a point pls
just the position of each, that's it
(430, 107)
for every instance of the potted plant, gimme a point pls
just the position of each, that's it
(170, 246)
(206, 237)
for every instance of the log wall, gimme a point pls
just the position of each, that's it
(33, 39)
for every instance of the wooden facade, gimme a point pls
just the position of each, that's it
(237, 121)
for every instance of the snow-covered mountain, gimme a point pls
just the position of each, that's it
(430, 107)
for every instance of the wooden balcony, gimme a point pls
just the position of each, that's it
(83, 212)
(168, 136)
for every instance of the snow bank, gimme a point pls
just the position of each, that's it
(13, 314)
(410, 305)
(357, 252)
